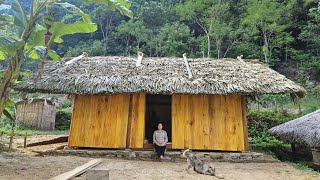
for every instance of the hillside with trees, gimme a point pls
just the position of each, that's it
(283, 34)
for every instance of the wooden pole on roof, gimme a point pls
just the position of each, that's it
(83, 55)
(140, 56)
(187, 65)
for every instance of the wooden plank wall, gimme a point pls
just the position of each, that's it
(136, 121)
(208, 122)
(95, 124)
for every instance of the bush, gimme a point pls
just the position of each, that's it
(260, 122)
(63, 119)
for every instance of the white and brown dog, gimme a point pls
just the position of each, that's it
(198, 165)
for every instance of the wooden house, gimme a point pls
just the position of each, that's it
(36, 113)
(118, 104)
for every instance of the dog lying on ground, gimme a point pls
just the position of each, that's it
(198, 165)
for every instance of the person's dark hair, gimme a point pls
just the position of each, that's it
(160, 123)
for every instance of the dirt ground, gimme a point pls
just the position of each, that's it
(23, 164)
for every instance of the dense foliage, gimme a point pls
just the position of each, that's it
(63, 119)
(277, 32)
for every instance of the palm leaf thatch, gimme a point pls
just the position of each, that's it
(115, 75)
(304, 130)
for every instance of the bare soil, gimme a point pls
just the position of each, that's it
(24, 164)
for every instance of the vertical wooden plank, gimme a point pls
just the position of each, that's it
(129, 122)
(137, 121)
(91, 135)
(212, 137)
(104, 123)
(239, 123)
(199, 108)
(99, 121)
(80, 114)
(220, 136)
(186, 99)
(230, 123)
(234, 128)
(191, 114)
(178, 119)
(124, 121)
(204, 118)
(245, 123)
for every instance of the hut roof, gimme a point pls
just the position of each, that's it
(304, 130)
(115, 75)
(29, 101)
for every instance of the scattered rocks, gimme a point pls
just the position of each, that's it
(216, 156)
(174, 155)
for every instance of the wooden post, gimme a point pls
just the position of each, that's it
(293, 152)
(12, 132)
(245, 122)
(11, 139)
(84, 55)
(25, 141)
(187, 65)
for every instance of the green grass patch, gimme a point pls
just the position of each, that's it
(22, 132)
(305, 166)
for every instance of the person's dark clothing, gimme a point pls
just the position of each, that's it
(160, 150)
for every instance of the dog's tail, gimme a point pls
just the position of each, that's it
(185, 152)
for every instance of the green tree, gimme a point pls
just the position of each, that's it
(311, 32)
(21, 38)
(263, 17)
(214, 18)
(172, 40)
(132, 31)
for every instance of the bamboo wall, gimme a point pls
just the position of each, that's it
(38, 114)
(209, 122)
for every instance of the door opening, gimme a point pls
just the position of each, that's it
(158, 109)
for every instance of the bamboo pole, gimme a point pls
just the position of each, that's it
(187, 65)
(140, 56)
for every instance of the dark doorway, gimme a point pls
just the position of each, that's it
(158, 109)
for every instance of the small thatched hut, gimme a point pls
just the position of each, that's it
(304, 130)
(117, 104)
(36, 113)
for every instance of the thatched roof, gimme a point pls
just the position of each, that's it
(29, 101)
(114, 75)
(304, 130)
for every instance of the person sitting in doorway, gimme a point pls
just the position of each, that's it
(160, 139)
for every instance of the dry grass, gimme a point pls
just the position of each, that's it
(114, 75)
(304, 130)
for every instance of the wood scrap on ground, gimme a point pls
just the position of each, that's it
(77, 171)
(52, 141)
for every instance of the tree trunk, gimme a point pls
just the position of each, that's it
(10, 77)
(138, 45)
(41, 69)
(218, 46)
(266, 47)
(209, 48)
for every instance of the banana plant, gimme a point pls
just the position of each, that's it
(36, 29)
